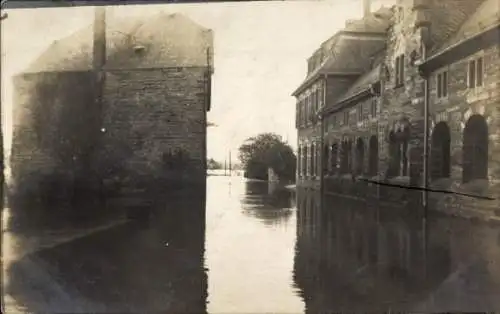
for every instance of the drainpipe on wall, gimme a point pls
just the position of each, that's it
(426, 135)
(322, 141)
(425, 195)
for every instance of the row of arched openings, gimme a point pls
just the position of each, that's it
(342, 159)
(475, 149)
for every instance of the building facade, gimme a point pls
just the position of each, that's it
(422, 114)
(121, 103)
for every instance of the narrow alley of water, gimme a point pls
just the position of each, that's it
(251, 247)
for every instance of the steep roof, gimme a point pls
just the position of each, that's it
(362, 83)
(354, 52)
(487, 15)
(168, 40)
(354, 56)
(447, 17)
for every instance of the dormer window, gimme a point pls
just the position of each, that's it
(475, 73)
(399, 70)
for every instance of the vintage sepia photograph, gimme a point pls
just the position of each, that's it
(300, 156)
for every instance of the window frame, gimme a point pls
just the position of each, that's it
(399, 70)
(472, 72)
(373, 108)
(442, 83)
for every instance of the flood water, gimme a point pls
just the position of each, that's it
(250, 247)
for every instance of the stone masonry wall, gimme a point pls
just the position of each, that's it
(394, 106)
(455, 110)
(54, 128)
(150, 116)
(403, 39)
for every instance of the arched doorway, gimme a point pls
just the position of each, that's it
(313, 160)
(360, 156)
(475, 149)
(333, 158)
(394, 155)
(399, 139)
(373, 156)
(349, 156)
(346, 157)
(440, 152)
(305, 151)
(344, 162)
(325, 160)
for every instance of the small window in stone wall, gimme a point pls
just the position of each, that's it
(310, 106)
(304, 111)
(475, 73)
(442, 84)
(360, 113)
(316, 101)
(399, 70)
(373, 108)
(346, 117)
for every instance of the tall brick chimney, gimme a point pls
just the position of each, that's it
(366, 7)
(99, 48)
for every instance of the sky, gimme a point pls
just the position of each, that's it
(260, 52)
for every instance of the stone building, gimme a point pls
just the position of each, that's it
(435, 74)
(123, 102)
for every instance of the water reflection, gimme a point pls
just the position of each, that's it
(353, 256)
(269, 202)
(124, 268)
(249, 248)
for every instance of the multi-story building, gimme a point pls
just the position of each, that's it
(421, 110)
(332, 69)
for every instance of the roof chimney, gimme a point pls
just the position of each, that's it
(366, 7)
(99, 51)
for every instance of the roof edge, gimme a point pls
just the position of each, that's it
(314, 78)
(362, 94)
(425, 63)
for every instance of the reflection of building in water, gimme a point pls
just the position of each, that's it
(157, 269)
(350, 257)
(361, 109)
